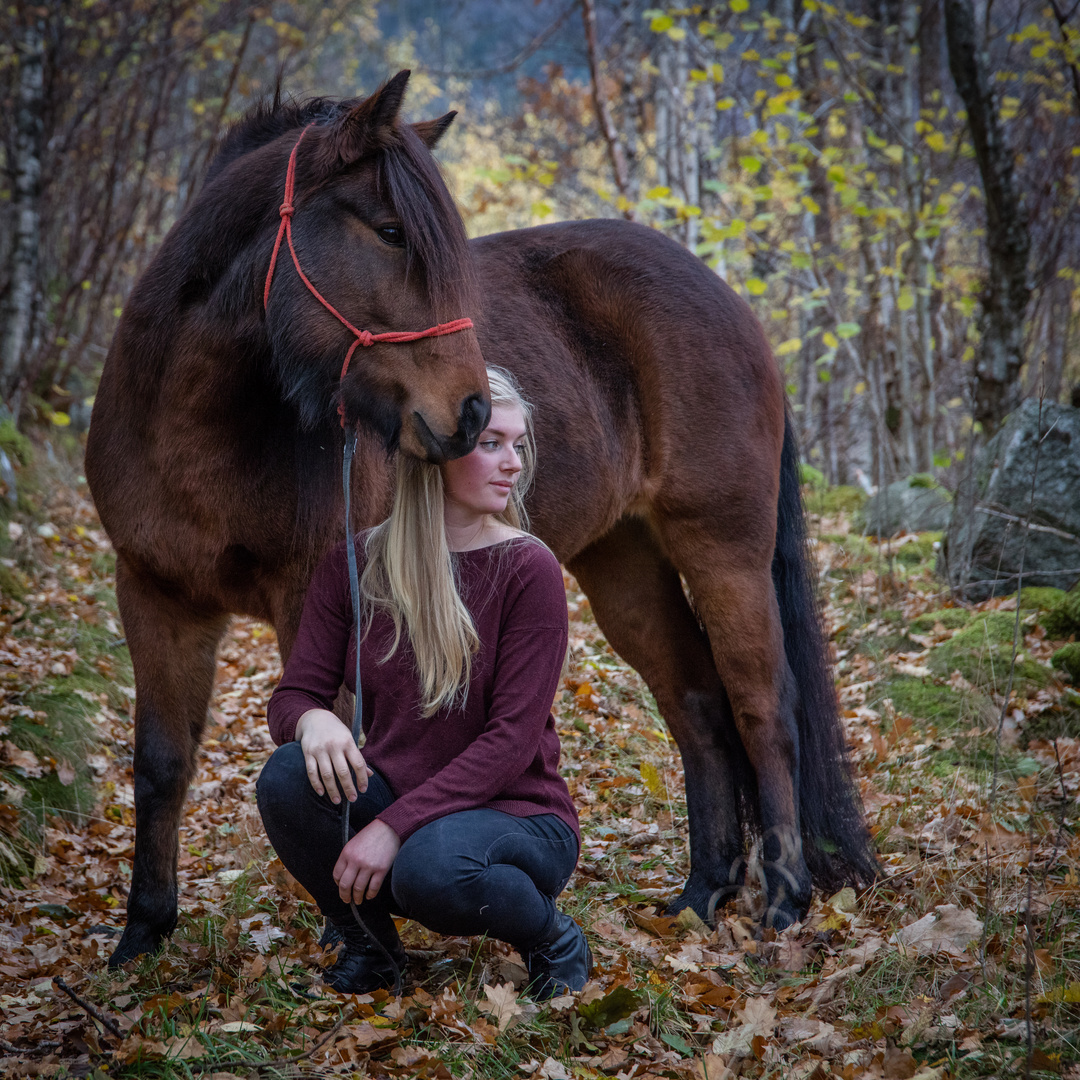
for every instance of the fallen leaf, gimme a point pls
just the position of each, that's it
(234, 1026)
(504, 1008)
(184, 1048)
(25, 761)
(758, 1014)
(553, 1070)
(898, 1064)
(948, 929)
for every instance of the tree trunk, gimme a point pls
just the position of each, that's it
(19, 314)
(1007, 289)
(604, 121)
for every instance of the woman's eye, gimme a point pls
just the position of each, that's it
(490, 444)
(393, 235)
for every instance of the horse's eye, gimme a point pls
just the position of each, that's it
(393, 235)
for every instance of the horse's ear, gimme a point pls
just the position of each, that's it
(371, 123)
(431, 131)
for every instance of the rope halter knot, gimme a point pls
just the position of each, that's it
(363, 337)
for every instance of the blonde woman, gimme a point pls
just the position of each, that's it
(462, 821)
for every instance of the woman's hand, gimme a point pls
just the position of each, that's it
(329, 751)
(365, 861)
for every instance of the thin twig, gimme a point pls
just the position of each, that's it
(1019, 605)
(274, 1063)
(110, 1025)
(1029, 951)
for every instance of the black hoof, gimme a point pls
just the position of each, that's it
(703, 897)
(138, 939)
(781, 916)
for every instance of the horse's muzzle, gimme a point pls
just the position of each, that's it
(474, 416)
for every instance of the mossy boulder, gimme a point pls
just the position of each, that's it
(1063, 619)
(1027, 474)
(952, 618)
(911, 505)
(924, 700)
(918, 550)
(1040, 597)
(982, 653)
(1067, 659)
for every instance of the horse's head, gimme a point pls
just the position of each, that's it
(378, 236)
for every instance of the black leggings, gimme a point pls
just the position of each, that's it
(474, 872)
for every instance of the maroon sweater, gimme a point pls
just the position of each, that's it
(500, 749)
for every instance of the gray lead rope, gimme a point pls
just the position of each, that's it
(354, 590)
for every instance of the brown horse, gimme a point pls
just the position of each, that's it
(214, 459)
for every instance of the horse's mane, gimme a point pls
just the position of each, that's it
(407, 174)
(265, 121)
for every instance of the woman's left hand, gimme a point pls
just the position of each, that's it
(365, 861)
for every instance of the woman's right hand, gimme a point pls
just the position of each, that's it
(329, 751)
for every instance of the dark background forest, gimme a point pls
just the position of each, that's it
(895, 187)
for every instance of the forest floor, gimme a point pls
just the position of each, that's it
(963, 961)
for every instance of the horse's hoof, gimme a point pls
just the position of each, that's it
(702, 897)
(136, 941)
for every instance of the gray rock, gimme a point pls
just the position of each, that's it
(1002, 525)
(907, 506)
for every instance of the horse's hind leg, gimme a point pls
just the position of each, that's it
(730, 578)
(173, 651)
(638, 601)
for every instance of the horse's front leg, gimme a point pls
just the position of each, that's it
(173, 650)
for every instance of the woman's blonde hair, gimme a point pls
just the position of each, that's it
(410, 573)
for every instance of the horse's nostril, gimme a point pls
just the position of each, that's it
(475, 414)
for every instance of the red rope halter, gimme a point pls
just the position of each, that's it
(363, 337)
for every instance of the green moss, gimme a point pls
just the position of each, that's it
(1063, 618)
(14, 442)
(951, 618)
(12, 583)
(922, 480)
(1067, 659)
(1040, 597)
(836, 500)
(982, 653)
(920, 550)
(922, 699)
(987, 627)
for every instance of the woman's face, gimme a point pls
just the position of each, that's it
(480, 482)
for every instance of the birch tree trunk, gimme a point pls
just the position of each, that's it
(18, 321)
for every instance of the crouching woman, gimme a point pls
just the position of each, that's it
(462, 821)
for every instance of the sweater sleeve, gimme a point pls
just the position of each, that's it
(529, 658)
(316, 666)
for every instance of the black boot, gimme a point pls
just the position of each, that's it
(561, 963)
(362, 966)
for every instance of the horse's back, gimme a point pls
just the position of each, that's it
(654, 383)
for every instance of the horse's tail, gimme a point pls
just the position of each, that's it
(836, 845)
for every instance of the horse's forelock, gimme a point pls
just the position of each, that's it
(435, 239)
(267, 121)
